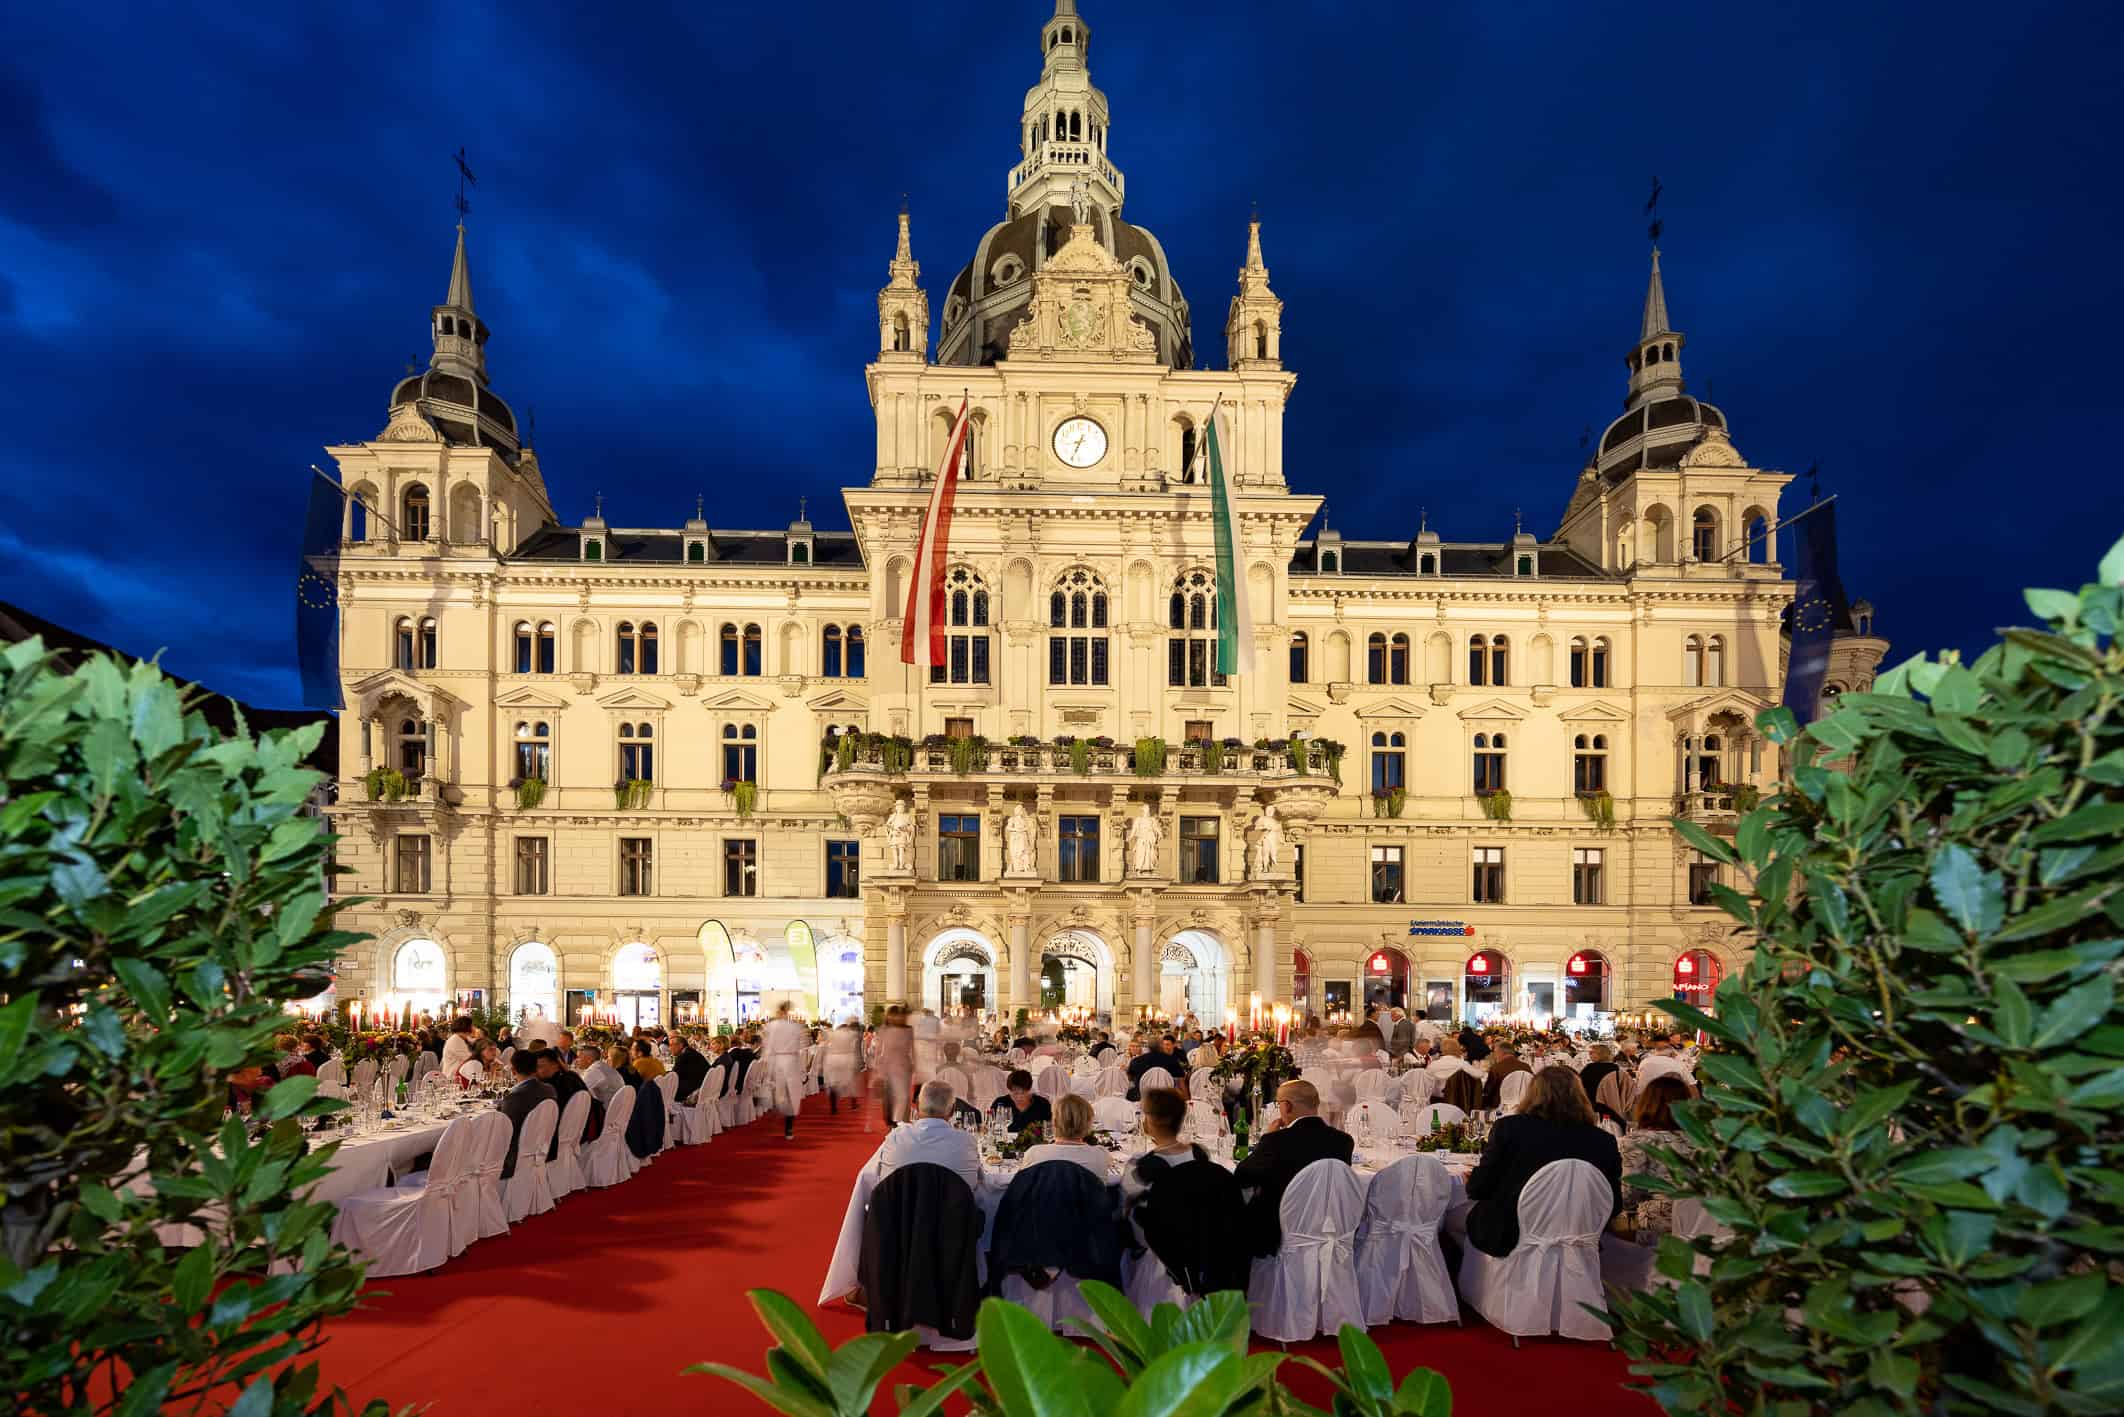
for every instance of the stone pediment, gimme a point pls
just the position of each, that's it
(737, 701)
(632, 698)
(1393, 708)
(1493, 709)
(839, 701)
(1595, 713)
(1305, 708)
(1737, 701)
(1080, 308)
(529, 697)
(369, 693)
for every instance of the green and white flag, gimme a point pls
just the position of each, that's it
(1235, 624)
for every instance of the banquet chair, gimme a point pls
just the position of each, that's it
(1050, 1082)
(607, 1162)
(1186, 1219)
(987, 1086)
(364, 1075)
(1052, 1229)
(1205, 1121)
(472, 1074)
(1401, 1272)
(919, 1266)
(695, 1122)
(1511, 1090)
(1309, 1286)
(530, 1190)
(564, 1174)
(1085, 1086)
(1383, 1121)
(1154, 1077)
(1113, 1082)
(1617, 1091)
(508, 1052)
(1554, 1270)
(1115, 1114)
(1417, 1085)
(426, 1063)
(486, 1176)
(1371, 1085)
(1202, 1084)
(961, 1085)
(333, 1072)
(394, 1073)
(667, 1085)
(1423, 1118)
(1084, 1067)
(408, 1229)
(730, 1103)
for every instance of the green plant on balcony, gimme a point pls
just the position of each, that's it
(530, 792)
(844, 752)
(1150, 757)
(969, 754)
(1599, 808)
(744, 796)
(1389, 802)
(1295, 751)
(631, 793)
(1746, 798)
(1212, 756)
(1497, 806)
(896, 753)
(388, 785)
(1080, 750)
(1334, 752)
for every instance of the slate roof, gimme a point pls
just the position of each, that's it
(625, 546)
(1458, 559)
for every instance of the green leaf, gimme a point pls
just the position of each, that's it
(1947, 1164)
(2111, 571)
(194, 1276)
(1804, 1185)
(1972, 896)
(2098, 819)
(855, 1369)
(795, 1404)
(1196, 1380)
(286, 1097)
(1695, 1306)
(1028, 1366)
(150, 991)
(2104, 1089)
(931, 1400)
(1714, 847)
(2062, 1301)
(15, 1019)
(2075, 1011)
(791, 1327)
(1119, 1319)
(2013, 1017)
(1364, 1367)
(1424, 1392)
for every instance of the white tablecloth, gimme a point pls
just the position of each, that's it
(843, 1270)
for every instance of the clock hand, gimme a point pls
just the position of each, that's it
(1078, 446)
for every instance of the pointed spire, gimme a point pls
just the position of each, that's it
(460, 335)
(1655, 322)
(1253, 331)
(903, 306)
(460, 296)
(1253, 246)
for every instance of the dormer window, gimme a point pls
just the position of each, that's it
(1523, 565)
(593, 548)
(696, 552)
(799, 553)
(1428, 563)
(1330, 562)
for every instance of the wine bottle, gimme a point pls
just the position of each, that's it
(1239, 1147)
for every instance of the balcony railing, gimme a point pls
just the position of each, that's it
(1727, 800)
(1069, 157)
(1082, 759)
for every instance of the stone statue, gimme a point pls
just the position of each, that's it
(1268, 847)
(1020, 832)
(900, 834)
(1080, 200)
(1145, 834)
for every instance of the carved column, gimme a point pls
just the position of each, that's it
(896, 952)
(1021, 972)
(1265, 958)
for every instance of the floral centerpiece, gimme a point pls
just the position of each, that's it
(1260, 1061)
(602, 1035)
(1455, 1137)
(1013, 1147)
(1074, 1033)
(378, 1045)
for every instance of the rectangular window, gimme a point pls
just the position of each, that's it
(958, 728)
(412, 865)
(1199, 730)
(1386, 875)
(1489, 875)
(980, 659)
(1077, 855)
(1298, 871)
(636, 861)
(1586, 865)
(1389, 768)
(532, 760)
(1489, 764)
(741, 762)
(531, 865)
(1098, 660)
(1176, 663)
(1589, 772)
(1058, 659)
(959, 847)
(741, 867)
(843, 870)
(1702, 876)
(1198, 850)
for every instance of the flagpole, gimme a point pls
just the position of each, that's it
(326, 478)
(1748, 541)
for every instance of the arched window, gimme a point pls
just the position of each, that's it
(1489, 660)
(413, 513)
(637, 752)
(1375, 658)
(1489, 763)
(1330, 562)
(852, 666)
(637, 647)
(358, 510)
(751, 647)
(1078, 651)
(967, 641)
(1693, 662)
(535, 647)
(1390, 762)
(1300, 658)
(1715, 661)
(1191, 649)
(1586, 972)
(534, 751)
(1398, 659)
(412, 748)
(1589, 763)
(727, 650)
(1703, 534)
(741, 753)
(1589, 662)
(405, 648)
(830, 652)
(430, 636)
(1755, 525)
(1187, 451)
(799, 553)
(901, 340)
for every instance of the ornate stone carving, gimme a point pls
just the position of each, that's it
(407, 425)
(1714, 449)
(1080, 306)
(408, 918)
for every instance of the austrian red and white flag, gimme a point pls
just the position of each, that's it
(922, 634)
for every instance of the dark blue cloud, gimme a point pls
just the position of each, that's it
(1891, 236)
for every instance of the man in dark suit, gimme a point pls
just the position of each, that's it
(565, 1085)
(1504, 1061)
(1401, 1039)
(517, 1103)
(1295, 1138)
(1471, 1044)
(1160, 1056)
(691, 1067)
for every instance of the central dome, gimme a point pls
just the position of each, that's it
(989, 296)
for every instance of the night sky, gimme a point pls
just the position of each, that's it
(1891, 243)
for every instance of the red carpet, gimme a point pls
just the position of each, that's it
(597, 1306)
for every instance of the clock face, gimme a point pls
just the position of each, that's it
(1080, 442)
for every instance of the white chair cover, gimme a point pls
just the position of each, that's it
(1423, 1118)
(426, 1063)
(1205, 1121)
(1401, 1272)
(1148, 1283)
(694, 1123)
(961, 1085)
(333, 1073)
(471, 1072)
(1112, 1082)
(1201, 1083)
(1156, 1077)
(1051, 1082)
(564, 1174)
(1084, 1067)
(486, 1176)
(607, 1161)
(1059, 1301)
(402, 1229)
(508, 1052)
(1085, 1087)
(1371, 1085)
(1511, 1090)
(1417, 1086)
(1383, 1121)
(667, 1085)
(1309, 1286)
(530, 1190)
(735, 1110)
(1115, 1114)
(1555, 1268)
(364, 1075)
(986, 1087)
(395, 1073)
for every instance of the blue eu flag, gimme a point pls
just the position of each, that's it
(317, 597)
(1818, 610)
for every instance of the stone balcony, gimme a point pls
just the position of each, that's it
(1722, 805)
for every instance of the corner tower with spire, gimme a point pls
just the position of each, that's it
(1655, 365)
(1062, 133)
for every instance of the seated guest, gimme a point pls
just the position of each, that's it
(517, 1103)
(1102, 1045)
(598, 1075)
(647, 1066)
(1072, 1132)
(489, 1063)
(1164, 1113)
(1472, 1044)
(1463, 1090)
(1554, 1123)
(565, 1044)
(292, 1062)
(1504, 1061)
(564, 1084)
(1023, 1104)
(1601, 1066)
(457, 1048)
(1449, 1059)
(1161, 1056)
(691, 1067)
(931, 1138)
(314, 1051)
(1293, 1139)
(621, 1061)
(1652, 1126)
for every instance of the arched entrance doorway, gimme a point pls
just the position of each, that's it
(1077, 971)
(534, 983)
(1386, 980)
(1585, 985)
(638, 986)
(1697, 975)
(420, 978)
(1194, 977)
(1301, 984)
(748, 977)
(1485, 987)
(720, 1005)
(840, 979)
(959, 972)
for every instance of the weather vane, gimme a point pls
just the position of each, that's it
(464, 175)
(1652, 211)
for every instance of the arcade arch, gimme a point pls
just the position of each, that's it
(1194, 976)
(959, 971)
